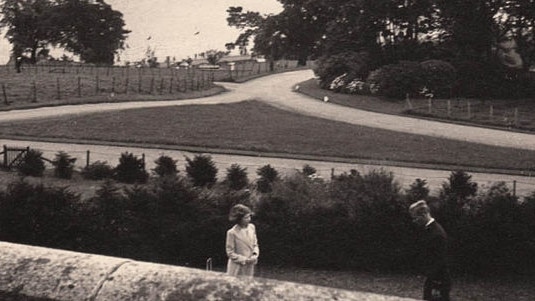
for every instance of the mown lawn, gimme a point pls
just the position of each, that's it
(255, 126)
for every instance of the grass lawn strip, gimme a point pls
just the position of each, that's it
(255, 126)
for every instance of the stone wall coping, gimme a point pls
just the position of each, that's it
(42, 274)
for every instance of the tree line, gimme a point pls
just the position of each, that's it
(389, 30)
(90, 29)
(488, 45)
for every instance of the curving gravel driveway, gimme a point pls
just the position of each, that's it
(277, 90)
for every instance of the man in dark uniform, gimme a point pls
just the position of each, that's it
(434, 260)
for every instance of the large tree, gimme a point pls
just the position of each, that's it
(290, 34)
(29, 26)
(90, 29)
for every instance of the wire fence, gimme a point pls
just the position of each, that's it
(67, 83)
(511, 114)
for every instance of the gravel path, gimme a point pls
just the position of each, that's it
(277, 91)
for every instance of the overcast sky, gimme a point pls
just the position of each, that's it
(172, 24)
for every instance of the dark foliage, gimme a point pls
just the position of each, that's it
(363, 217)
(64, 165)
(130, 169)
(236, 178)
(39, 215)
(354, 64)
(165, 166)
(97, 171)
(267, 175)
(201, 170)
(398, 80)
(32, 164)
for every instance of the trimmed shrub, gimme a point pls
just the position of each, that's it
(418, 190)
(353, 64)
(64, 165)
(201, 170)
(97, 171)
(236, 178)
(131, 169)
(397, 80)
(32, 164)
(165, 166)
(439, 77)
(267, 175)
(308, 170)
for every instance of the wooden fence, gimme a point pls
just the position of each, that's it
(54, 83)
(473, 110)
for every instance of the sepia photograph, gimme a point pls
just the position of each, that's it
(168, 150)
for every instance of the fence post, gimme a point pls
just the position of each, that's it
(113, 84)
(79, 87)
(34, 88)
(408, 100)
(449, 108)
(87, 159)
(171, 85)
(516, 117)
(152, 85)
(469, 109)
(161, 85)
(97, 81)
(139, 84)
(58, 88)
(126, 86)
(491, 112)
(514, 188)
(143, 160)
(429, 105)
(5, 93)
(5, 155)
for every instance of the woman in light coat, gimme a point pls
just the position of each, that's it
(241, 244)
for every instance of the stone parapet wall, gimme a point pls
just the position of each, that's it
(42, 274)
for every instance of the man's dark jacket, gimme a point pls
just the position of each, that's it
(435, 265)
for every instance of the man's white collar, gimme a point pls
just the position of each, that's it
(430, 222)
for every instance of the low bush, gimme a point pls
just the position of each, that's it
(165, 166)
(97, 171)
(236, 177)
(267, 176)
(397, 80)
(63, 165)
(32, 164)
(130, 169)
(353, 64)
(201, 170)
(439, 77)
